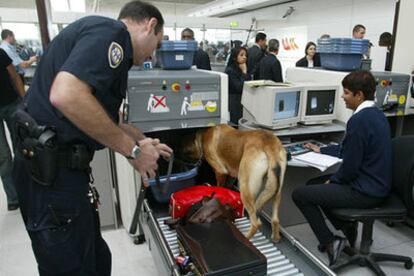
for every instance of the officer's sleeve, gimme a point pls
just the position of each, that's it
(4, 59)
(97, 57)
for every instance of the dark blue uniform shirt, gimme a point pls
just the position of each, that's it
(98, 51)
(366, 153)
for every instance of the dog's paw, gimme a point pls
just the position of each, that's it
(276, 238)
(275, 241)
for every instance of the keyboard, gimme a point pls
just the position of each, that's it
(299, 147)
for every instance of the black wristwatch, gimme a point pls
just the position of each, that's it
(136, 150)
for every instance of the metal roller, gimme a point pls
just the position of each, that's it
(277, 263)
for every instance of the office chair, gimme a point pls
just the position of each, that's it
(396, 207)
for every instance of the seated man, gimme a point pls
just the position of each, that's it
(364, 178)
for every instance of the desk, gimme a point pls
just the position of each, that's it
(296, 175)
(299, 130)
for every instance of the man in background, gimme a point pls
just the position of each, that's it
(358, 31)
(8, 44)
(270, 68)
(223, 54)
(201, 59)
(255, 55)
(11, 90)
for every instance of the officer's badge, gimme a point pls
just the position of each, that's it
(115, 54)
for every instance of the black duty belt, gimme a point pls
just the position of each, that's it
(77, 157)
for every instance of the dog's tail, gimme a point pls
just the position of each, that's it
(281, 164)
(277, 161)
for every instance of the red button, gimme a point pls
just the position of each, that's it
(187, 87)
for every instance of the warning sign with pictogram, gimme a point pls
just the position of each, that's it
(157, 104)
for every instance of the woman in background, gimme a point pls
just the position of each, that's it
(311, 58)
(237, 71)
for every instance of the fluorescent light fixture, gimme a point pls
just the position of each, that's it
(220, 8)
(68, 5)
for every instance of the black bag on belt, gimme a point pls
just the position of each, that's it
(38, 145)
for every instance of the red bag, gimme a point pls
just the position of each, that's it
(182, 200)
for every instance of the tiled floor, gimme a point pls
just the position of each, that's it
(17, 259)
(396, 240)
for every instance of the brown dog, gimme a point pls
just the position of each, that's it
(257, 158)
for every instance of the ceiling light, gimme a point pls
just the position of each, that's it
(222, 8)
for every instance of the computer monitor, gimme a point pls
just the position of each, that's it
(274, 106)
(318, 104)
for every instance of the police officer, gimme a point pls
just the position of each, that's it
(78, 88)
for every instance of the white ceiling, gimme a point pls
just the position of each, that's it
(104, 4)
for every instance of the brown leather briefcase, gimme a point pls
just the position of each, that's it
(219, 248)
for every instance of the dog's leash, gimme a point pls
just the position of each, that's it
(164, 189)
(141, 197)
(169, 171)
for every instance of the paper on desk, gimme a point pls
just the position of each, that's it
(318, 160)
(258, 83)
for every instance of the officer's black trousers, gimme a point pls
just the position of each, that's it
(313, 199)
(62, 224)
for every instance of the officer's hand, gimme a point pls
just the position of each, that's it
(146, 163)
(313, 147)
(163, 150)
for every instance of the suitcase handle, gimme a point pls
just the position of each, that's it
(169, 171)
(142, 193)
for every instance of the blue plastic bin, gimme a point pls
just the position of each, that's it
(343, 54)
(342, 50)
(343, 41)
(177, 54)
(342, 62)
(178, 181)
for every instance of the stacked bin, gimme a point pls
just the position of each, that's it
(177, 54)
(344, 54)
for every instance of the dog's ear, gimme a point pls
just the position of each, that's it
(187, 149)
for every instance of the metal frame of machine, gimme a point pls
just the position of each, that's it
(149, 219)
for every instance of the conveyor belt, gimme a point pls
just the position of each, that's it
(277, 263)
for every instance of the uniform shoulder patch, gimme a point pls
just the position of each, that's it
(115, 54)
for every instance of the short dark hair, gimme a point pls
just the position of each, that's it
(5, 33)
(385, 39)
(236, 43)
(361, 80)
(139, 11)
(310, 43)
(273, 45)
(357, 28)
(187, 30)
(260, 36)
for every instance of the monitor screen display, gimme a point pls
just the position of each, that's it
(286, 105)
(320, 102)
